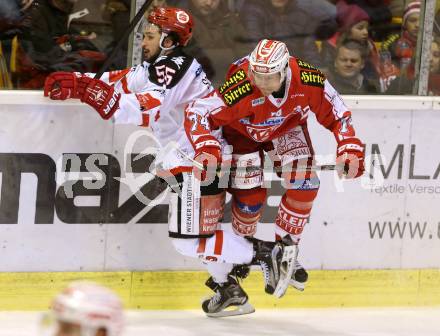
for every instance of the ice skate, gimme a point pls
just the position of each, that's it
(299, 274)
(229, 299)
(299, 277)
(268, 255)
(277, 262)
(287, 267)
(298, 280)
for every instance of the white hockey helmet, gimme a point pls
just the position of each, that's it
(91, 306)
(268, 57)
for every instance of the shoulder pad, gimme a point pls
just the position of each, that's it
(236, 87)
(310, 75)
(169, 70)
(240, 61)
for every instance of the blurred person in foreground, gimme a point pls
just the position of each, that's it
(84, 309)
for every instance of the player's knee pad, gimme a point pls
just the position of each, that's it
(196, 212)
(186, 247)
(222, 247)
(294, 212)
(299, 177)
(199, 247)
(247, 206)
(240, 177)
(300, 196)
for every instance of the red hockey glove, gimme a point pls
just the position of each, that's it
(208, 156)
(350, 155)
(62, 85)
(99, 95)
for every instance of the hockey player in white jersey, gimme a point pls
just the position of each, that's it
(154, 94)
(84, 309)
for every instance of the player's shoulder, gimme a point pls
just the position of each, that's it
(169, 69)
(237, 85)
(306, 73)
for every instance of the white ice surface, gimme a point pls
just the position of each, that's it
(304, 322)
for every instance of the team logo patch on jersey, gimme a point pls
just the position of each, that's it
(235, 78)
(258, 101)
(261, 134)
(147, 101)
(313, 78)
(273, 121)
(235, 94)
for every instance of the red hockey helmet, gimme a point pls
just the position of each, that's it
(176, 20)
(269, 57)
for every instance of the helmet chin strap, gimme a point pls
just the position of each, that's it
(283, 74)
(163, 49)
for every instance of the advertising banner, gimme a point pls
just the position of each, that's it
(77, 194)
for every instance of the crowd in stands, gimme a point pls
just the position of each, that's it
(362, 46)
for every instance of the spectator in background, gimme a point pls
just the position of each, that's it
(346, 74)
(380, 16)
(217, 38)
(282, 20)
(402, 49)
(118, 13)
(9, 21)
(49, 45)
(9, 13)
(324, 12)
(354, 24)
(434, 76)
(397, 7)
(405, 85)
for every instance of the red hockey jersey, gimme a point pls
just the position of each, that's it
(239, 104)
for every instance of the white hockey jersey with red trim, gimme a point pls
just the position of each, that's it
(155, 95)
(240, 105)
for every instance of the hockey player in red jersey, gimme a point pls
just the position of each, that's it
(263, 107)
(154, 94)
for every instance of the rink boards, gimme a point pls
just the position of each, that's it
(368, 237)
(174, 290)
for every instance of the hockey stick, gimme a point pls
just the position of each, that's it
(329, 167)
(122, 38)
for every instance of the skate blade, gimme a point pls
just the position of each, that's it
(244, 309)
(297, 285)
(286, 270)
